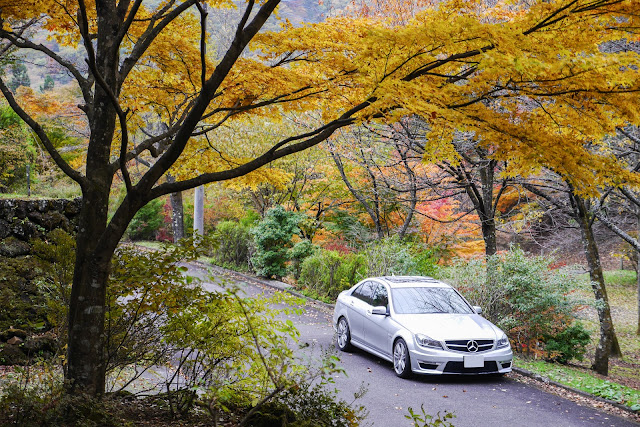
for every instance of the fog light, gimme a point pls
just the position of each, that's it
(428, 365)
(506, 364)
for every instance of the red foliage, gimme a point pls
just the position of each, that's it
(339, 246)
(165, 232)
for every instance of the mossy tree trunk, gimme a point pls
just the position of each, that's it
(608, 344)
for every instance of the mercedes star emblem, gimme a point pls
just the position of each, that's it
(472, 346)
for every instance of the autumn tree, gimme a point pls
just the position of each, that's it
(383, 169)
(560, 195)
(448, 64)
(618, 208)
(470, 170)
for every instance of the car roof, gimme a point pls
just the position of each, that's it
(412, 281)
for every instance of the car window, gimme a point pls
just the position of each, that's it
(380, 296)
(365, 292)
(422, 300)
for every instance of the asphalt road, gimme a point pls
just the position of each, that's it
(475, 401)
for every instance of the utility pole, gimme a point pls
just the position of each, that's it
(198, 212)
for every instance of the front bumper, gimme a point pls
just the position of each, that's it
(433, 361)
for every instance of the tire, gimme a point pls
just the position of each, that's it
(343, 339)
(401, 360)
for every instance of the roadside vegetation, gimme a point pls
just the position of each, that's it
(172, 349)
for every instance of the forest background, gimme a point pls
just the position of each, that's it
(381, 197)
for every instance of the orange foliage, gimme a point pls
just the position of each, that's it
(438, 227)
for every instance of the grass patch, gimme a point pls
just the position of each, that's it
(149, 244)
(620, 278)
(583, 380)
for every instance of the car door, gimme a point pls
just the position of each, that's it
(377, 328)
(357, 307)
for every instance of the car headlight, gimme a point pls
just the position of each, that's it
(503, 341)
(425, 341)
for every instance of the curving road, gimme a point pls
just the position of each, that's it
(475, 401)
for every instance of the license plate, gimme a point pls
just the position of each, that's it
(473, 361)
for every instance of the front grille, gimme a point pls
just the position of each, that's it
(462, 345)
(458, 368)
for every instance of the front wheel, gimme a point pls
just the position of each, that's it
(343, 339)
(401, 361)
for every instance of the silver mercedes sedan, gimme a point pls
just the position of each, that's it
(421, 325)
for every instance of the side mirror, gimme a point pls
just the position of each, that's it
(379, 310)
(478, 309)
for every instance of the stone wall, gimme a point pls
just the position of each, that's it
(23, 316)
(26, 219)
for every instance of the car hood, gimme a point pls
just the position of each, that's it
(442, 326)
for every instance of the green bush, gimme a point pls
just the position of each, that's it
(426, 258)
(232, 241)
(523, 295)
(568, 344)
(272, 238)
(327, 273)
(145, 288)
(297, 254)
(147, 221)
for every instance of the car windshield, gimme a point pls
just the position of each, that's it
(424, 300)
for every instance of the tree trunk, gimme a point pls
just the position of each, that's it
(85, 351)
(488, 213)
(489, 235)
(85, 373)
(608, 344)
(177, 213)
(413, 193)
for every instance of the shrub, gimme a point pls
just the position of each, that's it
(388, 257)
(35, 397)
(298, 254)
(145, 288)
(231, 245)
(35, 405)
(530, 301)
(426, 258)
(272, 238)
(327, 273)
(567, 344)
(147, 221)
(307, 405)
